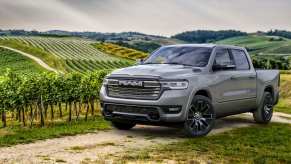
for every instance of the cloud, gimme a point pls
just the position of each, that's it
(163, 17)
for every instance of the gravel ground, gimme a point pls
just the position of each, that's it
(94, 146)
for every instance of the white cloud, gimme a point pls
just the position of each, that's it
(164, 17)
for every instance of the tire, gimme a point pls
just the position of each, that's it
(122, 125)
(200, 117)
(263, 114)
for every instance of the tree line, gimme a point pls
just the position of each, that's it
(37, 97)
(206, 36)
(282, 33)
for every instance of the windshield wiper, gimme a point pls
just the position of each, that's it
(151, 63)
(176, 63)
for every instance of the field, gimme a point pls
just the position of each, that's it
(120, 51)
(18, 63)
(46, 106)
(17, 134)
(66, 54)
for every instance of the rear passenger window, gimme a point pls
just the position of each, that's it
(241, 60)
(222, 57)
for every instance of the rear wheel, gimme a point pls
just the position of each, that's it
(264, 112)
(200, 117)
(122, 125)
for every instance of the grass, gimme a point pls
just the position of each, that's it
(258, 144)
(284, 104)
(17, 134)
(17, 63)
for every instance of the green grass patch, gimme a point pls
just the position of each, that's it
(17, 134)
(17, 63)
(283, 106)
(258, 144)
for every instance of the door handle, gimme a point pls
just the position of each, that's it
(242, 77)
(252, 77)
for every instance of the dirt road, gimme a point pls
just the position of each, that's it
(94, 146)
(36, 59)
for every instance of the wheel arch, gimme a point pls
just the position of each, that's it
(203, 92)
(270, 89)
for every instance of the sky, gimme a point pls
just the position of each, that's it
(159, 17)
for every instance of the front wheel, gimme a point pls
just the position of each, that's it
(264, 112)
(122, 125)
(200, 117)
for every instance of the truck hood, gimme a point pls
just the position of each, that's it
(166, 71)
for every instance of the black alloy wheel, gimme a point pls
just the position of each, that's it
(200, 117)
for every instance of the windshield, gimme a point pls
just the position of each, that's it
(190, 56)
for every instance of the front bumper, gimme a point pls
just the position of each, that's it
(158, 110)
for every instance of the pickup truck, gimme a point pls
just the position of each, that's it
(189, 85)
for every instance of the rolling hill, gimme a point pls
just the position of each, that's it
(69, 54)
(66, 54)
(261, 44)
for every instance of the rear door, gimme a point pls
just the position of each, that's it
(244, 77)
(224, 85)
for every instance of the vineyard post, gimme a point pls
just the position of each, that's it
(60, 110)
(52, 112)
(23, 116)
(92, 106)
(75, 108)
(87, 110)
(4, 121)
(41, 111)
(70, 111)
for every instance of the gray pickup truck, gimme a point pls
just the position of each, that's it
(189, 85)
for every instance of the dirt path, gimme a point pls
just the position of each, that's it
(94, 146)
(38, 60)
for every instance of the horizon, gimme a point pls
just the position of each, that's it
(43, 31)
(154, 17)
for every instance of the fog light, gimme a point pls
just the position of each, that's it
(174, 109)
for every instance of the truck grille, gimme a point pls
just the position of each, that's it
(133, 89)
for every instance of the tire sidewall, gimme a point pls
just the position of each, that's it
(266, 94)
(258, 114)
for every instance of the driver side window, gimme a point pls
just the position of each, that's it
(222, 57)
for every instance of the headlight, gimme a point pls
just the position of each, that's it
(105, 81)
(175, 84)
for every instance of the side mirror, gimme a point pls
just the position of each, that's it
(140, 61)
(218, 67)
